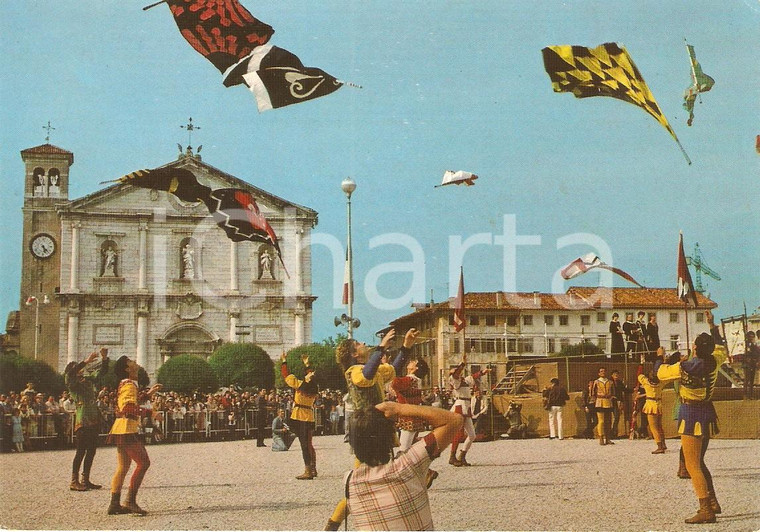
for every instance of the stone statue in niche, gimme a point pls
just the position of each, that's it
(265, 265)
(40, 183)
(109, 262)
(188, 262)
(55, 189)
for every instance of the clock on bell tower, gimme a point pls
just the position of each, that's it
(46, 184)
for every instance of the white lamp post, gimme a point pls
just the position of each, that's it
(33, 300)
(348, 186)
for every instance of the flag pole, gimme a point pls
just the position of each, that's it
(686, 156)
(154, 4)
(686, 313)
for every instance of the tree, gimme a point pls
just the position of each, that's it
(187, 373)
(582, 348)
(244, 365)
(16, 371)
(322, 358)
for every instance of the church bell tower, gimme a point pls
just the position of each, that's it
(46, 184)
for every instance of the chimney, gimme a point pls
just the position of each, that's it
(498, 299)
(535, 298)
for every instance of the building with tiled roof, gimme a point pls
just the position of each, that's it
(504, 325)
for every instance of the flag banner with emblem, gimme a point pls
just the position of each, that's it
(459, 177)
(589, 262)
(700, 82)
(277, 78)
(459, 317)
(178, 181)
(222, 31)
(684, 286)
(606, 70)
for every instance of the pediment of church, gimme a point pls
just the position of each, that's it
(121, 198)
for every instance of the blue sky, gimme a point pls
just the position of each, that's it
(446, 85)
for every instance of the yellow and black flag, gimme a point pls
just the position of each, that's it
(606, 70)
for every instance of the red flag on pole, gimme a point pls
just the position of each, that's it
(459, 321)
(685, 287)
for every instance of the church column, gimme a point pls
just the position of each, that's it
(234, 317)
(299, 250)
(72, 334)
(141, 354)
(298, 315)
(233, 267)
(74, 279)
(142, 273)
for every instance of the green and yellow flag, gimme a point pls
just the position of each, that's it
(606, 70)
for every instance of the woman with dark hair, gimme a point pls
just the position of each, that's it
(697, 417)
(302, 417)
(124, 432)
(87, 421)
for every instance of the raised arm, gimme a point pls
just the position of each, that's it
(403, 352)
(370, 367)
(445, 424)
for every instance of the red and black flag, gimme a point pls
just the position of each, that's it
(235, 210)
(179, 181)
(222, 31)
(278, 78)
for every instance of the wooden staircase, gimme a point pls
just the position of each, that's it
(514, 381)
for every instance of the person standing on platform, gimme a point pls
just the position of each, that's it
(616, 335)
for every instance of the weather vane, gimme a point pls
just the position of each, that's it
(49, 128)
(190, 128)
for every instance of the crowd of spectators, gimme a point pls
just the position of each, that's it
(229, 413)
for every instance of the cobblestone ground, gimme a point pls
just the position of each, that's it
(513, 485)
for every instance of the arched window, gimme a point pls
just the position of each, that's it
(109, 259)
(39, 182)
(54, 182)
(189, 259)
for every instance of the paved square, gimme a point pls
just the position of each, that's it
(535, 484)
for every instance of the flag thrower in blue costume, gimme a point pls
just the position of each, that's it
(606, 70)
(700, 82)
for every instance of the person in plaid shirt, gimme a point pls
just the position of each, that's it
(386, 493)
(366, 375)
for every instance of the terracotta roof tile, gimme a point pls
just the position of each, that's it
(48, 149)
(576, 298)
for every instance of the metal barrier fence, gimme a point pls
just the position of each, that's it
(48, 431)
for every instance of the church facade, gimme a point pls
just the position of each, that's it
(150, 276)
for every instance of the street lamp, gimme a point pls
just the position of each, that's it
(31, 300)
(348, 186)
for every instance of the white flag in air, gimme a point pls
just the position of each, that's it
(457, 178)
(588, 262)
